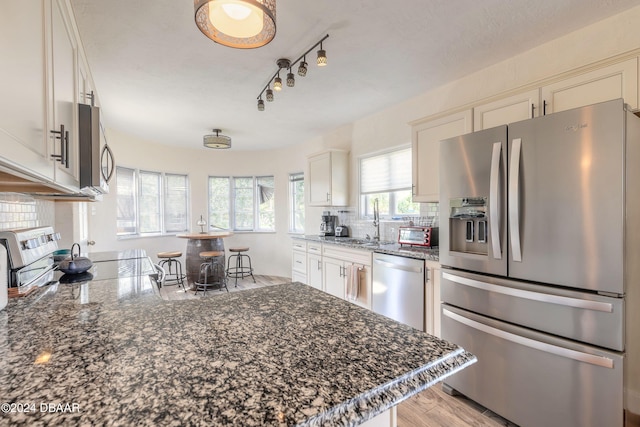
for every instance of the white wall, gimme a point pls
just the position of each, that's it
(388, 128)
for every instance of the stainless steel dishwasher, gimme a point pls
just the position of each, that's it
(398, 289)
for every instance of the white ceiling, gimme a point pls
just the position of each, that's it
(159, 78)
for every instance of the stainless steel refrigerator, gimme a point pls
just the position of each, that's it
(540, 247)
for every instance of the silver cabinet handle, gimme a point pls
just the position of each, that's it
(514, 200)
(591, 359)
(494, 200)
(533, 296)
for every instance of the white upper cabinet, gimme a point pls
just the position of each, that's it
(24, 134)
(39, 91)
(63, 95)
(507, 110)
(328, 178)
(619, 80)
(425, 151)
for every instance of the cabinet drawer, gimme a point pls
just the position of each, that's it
(299, 245)
(356, 256)
(299, 262)
(315, 248)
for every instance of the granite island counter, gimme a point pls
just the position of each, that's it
(113, 352)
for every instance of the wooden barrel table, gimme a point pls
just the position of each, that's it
(203, 242)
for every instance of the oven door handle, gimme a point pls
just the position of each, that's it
(591, 359)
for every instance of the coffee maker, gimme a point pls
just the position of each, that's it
(328, 224)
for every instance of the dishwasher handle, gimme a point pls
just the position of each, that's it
(398, 266)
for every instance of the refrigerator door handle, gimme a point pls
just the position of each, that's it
(514, 200)
(532, 296)
(494, 197)
(602, 361)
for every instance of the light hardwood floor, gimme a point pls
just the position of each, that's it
(430, 408)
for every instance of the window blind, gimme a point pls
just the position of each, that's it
(386, 172)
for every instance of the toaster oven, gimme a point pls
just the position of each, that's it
(418, 236)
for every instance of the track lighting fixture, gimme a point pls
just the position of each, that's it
(284, 63)
(322, 57)
(277, 83)
(291, 80)
(302, 68)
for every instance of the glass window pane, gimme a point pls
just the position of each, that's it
(126, 201)
(149, 202)
(266, 203)
(176, 203)
(243, 203)
(386, 172)
(296, 202)
(404, 204)
(219, 202)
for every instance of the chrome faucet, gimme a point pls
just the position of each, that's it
(376, 220)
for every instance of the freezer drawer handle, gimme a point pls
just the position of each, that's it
(535, 296)
(494, 198)
(398, 266)
(514, 200)
(604, 362)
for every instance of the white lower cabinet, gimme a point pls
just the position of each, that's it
(337, 265)
(432, 298)
(299, 261)
(314, 264)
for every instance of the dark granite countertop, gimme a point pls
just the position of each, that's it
(112, 352)
(385, 247)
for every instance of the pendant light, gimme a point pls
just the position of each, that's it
(241, 24)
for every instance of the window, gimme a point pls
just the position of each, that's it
(387, 177)
(296, 202)
(151, 203)
(244, 203)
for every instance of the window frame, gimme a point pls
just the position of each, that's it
(296, 177)
(162, 198)
(232, 205)
(365, 208)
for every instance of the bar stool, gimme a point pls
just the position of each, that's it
(240, 270)
(173, 268)
(213, 269)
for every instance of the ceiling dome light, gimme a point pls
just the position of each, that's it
(242, 24)
(217, 140)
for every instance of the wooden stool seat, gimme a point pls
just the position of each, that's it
(175, 254)
(239, 249)
(170, 262)
(211, 254)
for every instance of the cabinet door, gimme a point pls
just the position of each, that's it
(507, 110)
(63, 96)
(334, 278)
(320, 180)
(425, 151)
(23, 130)
(604, 84)
(314, 271)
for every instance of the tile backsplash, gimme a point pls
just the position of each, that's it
(23, 211)
(429, 212)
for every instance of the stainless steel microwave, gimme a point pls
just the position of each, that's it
(96, 158)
